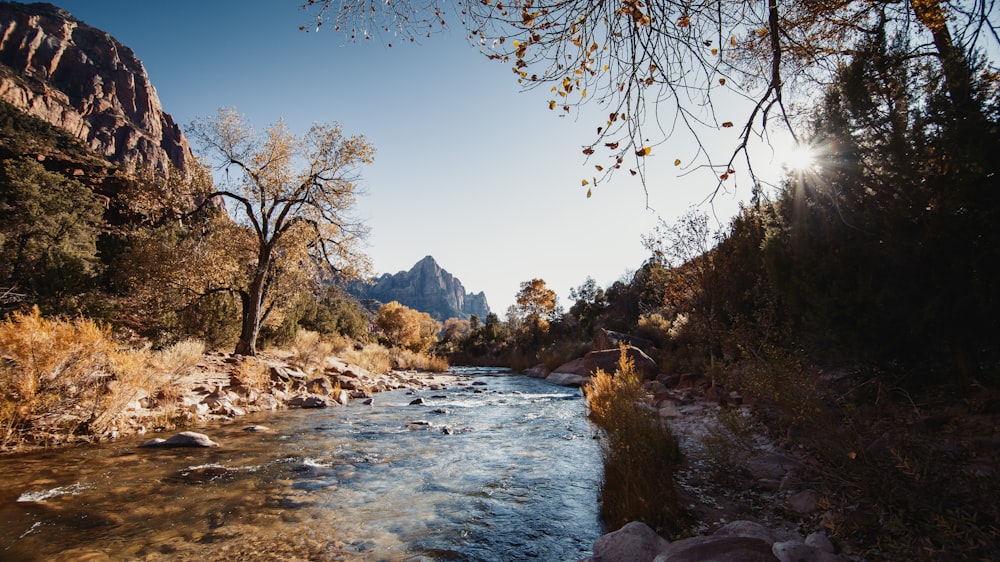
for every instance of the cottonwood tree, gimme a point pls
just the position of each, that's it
(407, 328)
(294, 195)
(660, 67)
(535, 304)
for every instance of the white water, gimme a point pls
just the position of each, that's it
(516, 479)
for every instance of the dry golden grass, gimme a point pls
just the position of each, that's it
(309, 350)
(254, 373)
(178, 359)
(64, 376)
(406, 359)
(640, 454)
(372, 357)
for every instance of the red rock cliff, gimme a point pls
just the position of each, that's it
(81, 79)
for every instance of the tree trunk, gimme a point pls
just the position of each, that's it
(250, 326)
(253, 306)
(957, 74)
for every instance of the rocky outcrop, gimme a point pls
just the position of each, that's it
(579, 371)
(82, 80)
(425, 287)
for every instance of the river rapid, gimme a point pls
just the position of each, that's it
(497, 467)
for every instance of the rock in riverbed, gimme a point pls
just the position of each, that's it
(182, 439)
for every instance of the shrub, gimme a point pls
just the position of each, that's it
(406, 359)
(254, 373)
(372, 357)
(310, 349)
(64, 377)
(640, 454)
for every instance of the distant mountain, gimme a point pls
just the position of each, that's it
(425, 287)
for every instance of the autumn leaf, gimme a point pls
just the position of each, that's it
(588, 151)
(684, 21)
(611, 145)
(677, 162)
(585, 183)
(724, 177)
(727, 124)
(645, 151)
(722, 81)
(552, 104)
(589, 193)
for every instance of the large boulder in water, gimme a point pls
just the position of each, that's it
(182, 439)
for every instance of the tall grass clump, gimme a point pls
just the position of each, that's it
(640, 453)
(60, 378)
(372, 357)
(406, 359)
(310, 349)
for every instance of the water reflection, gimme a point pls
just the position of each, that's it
(501, 471)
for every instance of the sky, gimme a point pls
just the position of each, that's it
(468, 168)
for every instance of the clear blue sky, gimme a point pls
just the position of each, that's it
(468, 168)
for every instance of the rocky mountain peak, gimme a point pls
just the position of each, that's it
(426, 287)
(81, 79)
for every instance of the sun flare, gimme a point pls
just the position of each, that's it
(799, 158)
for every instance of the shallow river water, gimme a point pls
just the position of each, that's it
(516, 479)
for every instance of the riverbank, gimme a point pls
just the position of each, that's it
(221, 387)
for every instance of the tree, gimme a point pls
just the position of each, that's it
(407, 328)
(535, 304)
(294, 194)
(589, 301)
(49, 225)
(663, 66)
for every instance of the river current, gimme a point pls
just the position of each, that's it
(498, 467)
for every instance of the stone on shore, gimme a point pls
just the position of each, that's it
(635, 542)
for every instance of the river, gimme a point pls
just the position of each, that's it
(498, 467)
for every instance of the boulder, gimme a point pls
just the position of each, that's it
(820, 541)
(804, 502)
(795, 551)
(537, 372)
(182, 439)
(309, 401)
(568, 379)
(635, 542)
(747, 529)
(717, 549)
(608, 339)
(321, 386)
(607, 360)
(574, 367)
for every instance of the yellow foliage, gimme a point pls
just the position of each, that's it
(640, 453)
(407, 328)
(70, 371)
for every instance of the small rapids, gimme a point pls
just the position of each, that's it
(497, 467)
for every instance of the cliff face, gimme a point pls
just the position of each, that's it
(82, 80)
(427, 288)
